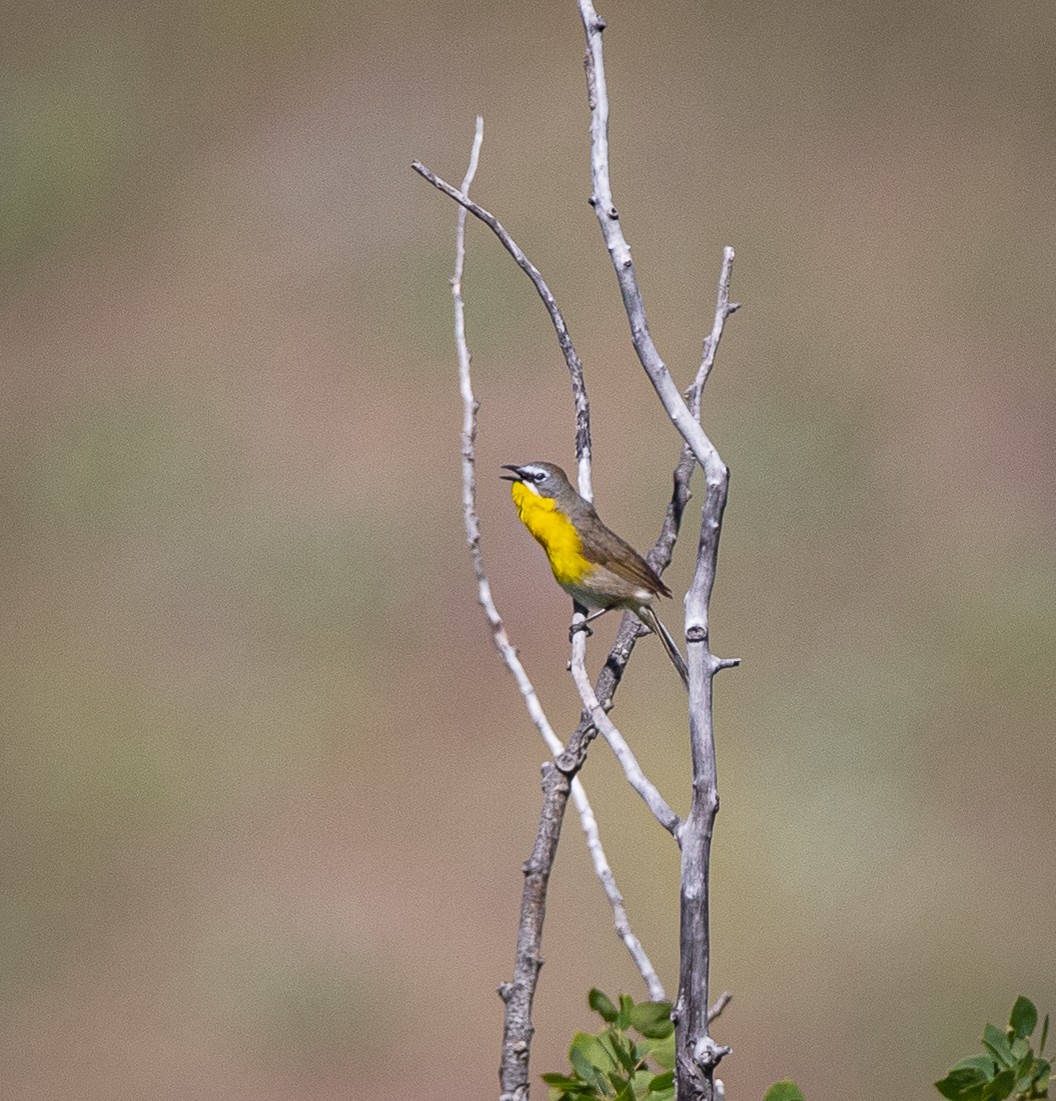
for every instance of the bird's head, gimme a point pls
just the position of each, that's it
(542, 479)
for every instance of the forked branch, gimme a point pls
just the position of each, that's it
(697, 1054)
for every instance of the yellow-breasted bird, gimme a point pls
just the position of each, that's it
(591, 563)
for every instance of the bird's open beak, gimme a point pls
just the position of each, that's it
(516, 476)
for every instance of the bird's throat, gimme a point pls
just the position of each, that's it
(555, 532)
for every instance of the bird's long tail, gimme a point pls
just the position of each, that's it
(652, 621)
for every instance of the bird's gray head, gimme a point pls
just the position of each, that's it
(543, 479)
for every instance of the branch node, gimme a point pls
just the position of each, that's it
(613, 213)
(726, 663)
(696, 633)
(598, 24)
(707, 1054)
(566, 763)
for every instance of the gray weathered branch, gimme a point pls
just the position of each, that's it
(564, 340)
(624, 754)
(697, 1054)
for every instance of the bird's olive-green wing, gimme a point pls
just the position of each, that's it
(605, 548)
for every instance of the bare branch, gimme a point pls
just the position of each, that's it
(572, 360)
(518, 994)
(632, 770)
(470, 406)
(608, 881)
(620, 252)
(723, 308)
(721, 1002)
(697, 1054)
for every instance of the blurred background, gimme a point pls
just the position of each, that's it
(266, 787)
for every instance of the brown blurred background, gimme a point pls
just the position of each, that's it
(266, 788)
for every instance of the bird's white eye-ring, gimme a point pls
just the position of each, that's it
(538, 476)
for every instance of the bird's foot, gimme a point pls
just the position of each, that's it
(575, 628)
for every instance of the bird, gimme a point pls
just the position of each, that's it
(597, 568)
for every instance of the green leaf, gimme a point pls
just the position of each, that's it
(662, 1051)
(600, 1003)
(653, 1019)
(588, 1058)
(785, 1090)
(965, 1083)
(662, 1082)
(1042, 1070)
(623, 1019)
(968, 1083)
(640, 1081)
(996, 1042)
(617, 1081)
(983, 1063)
(560, 1081)
(583, 1063)
(625, 1053)
(1000, 1087)
(1023, 1071)
(1024, 1018)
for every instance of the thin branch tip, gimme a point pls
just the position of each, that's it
(721, 1002)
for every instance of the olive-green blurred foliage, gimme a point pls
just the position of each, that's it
(266, 789)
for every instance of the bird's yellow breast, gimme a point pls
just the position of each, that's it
(555, 532)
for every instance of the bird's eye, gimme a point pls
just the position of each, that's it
(538, 476)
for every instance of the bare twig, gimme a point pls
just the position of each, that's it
(572, 360)
(470, 405)
(697, 1054)
(721, 1002)
(499, 635)
(631, 769)
(604, 873)
(723, 308)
